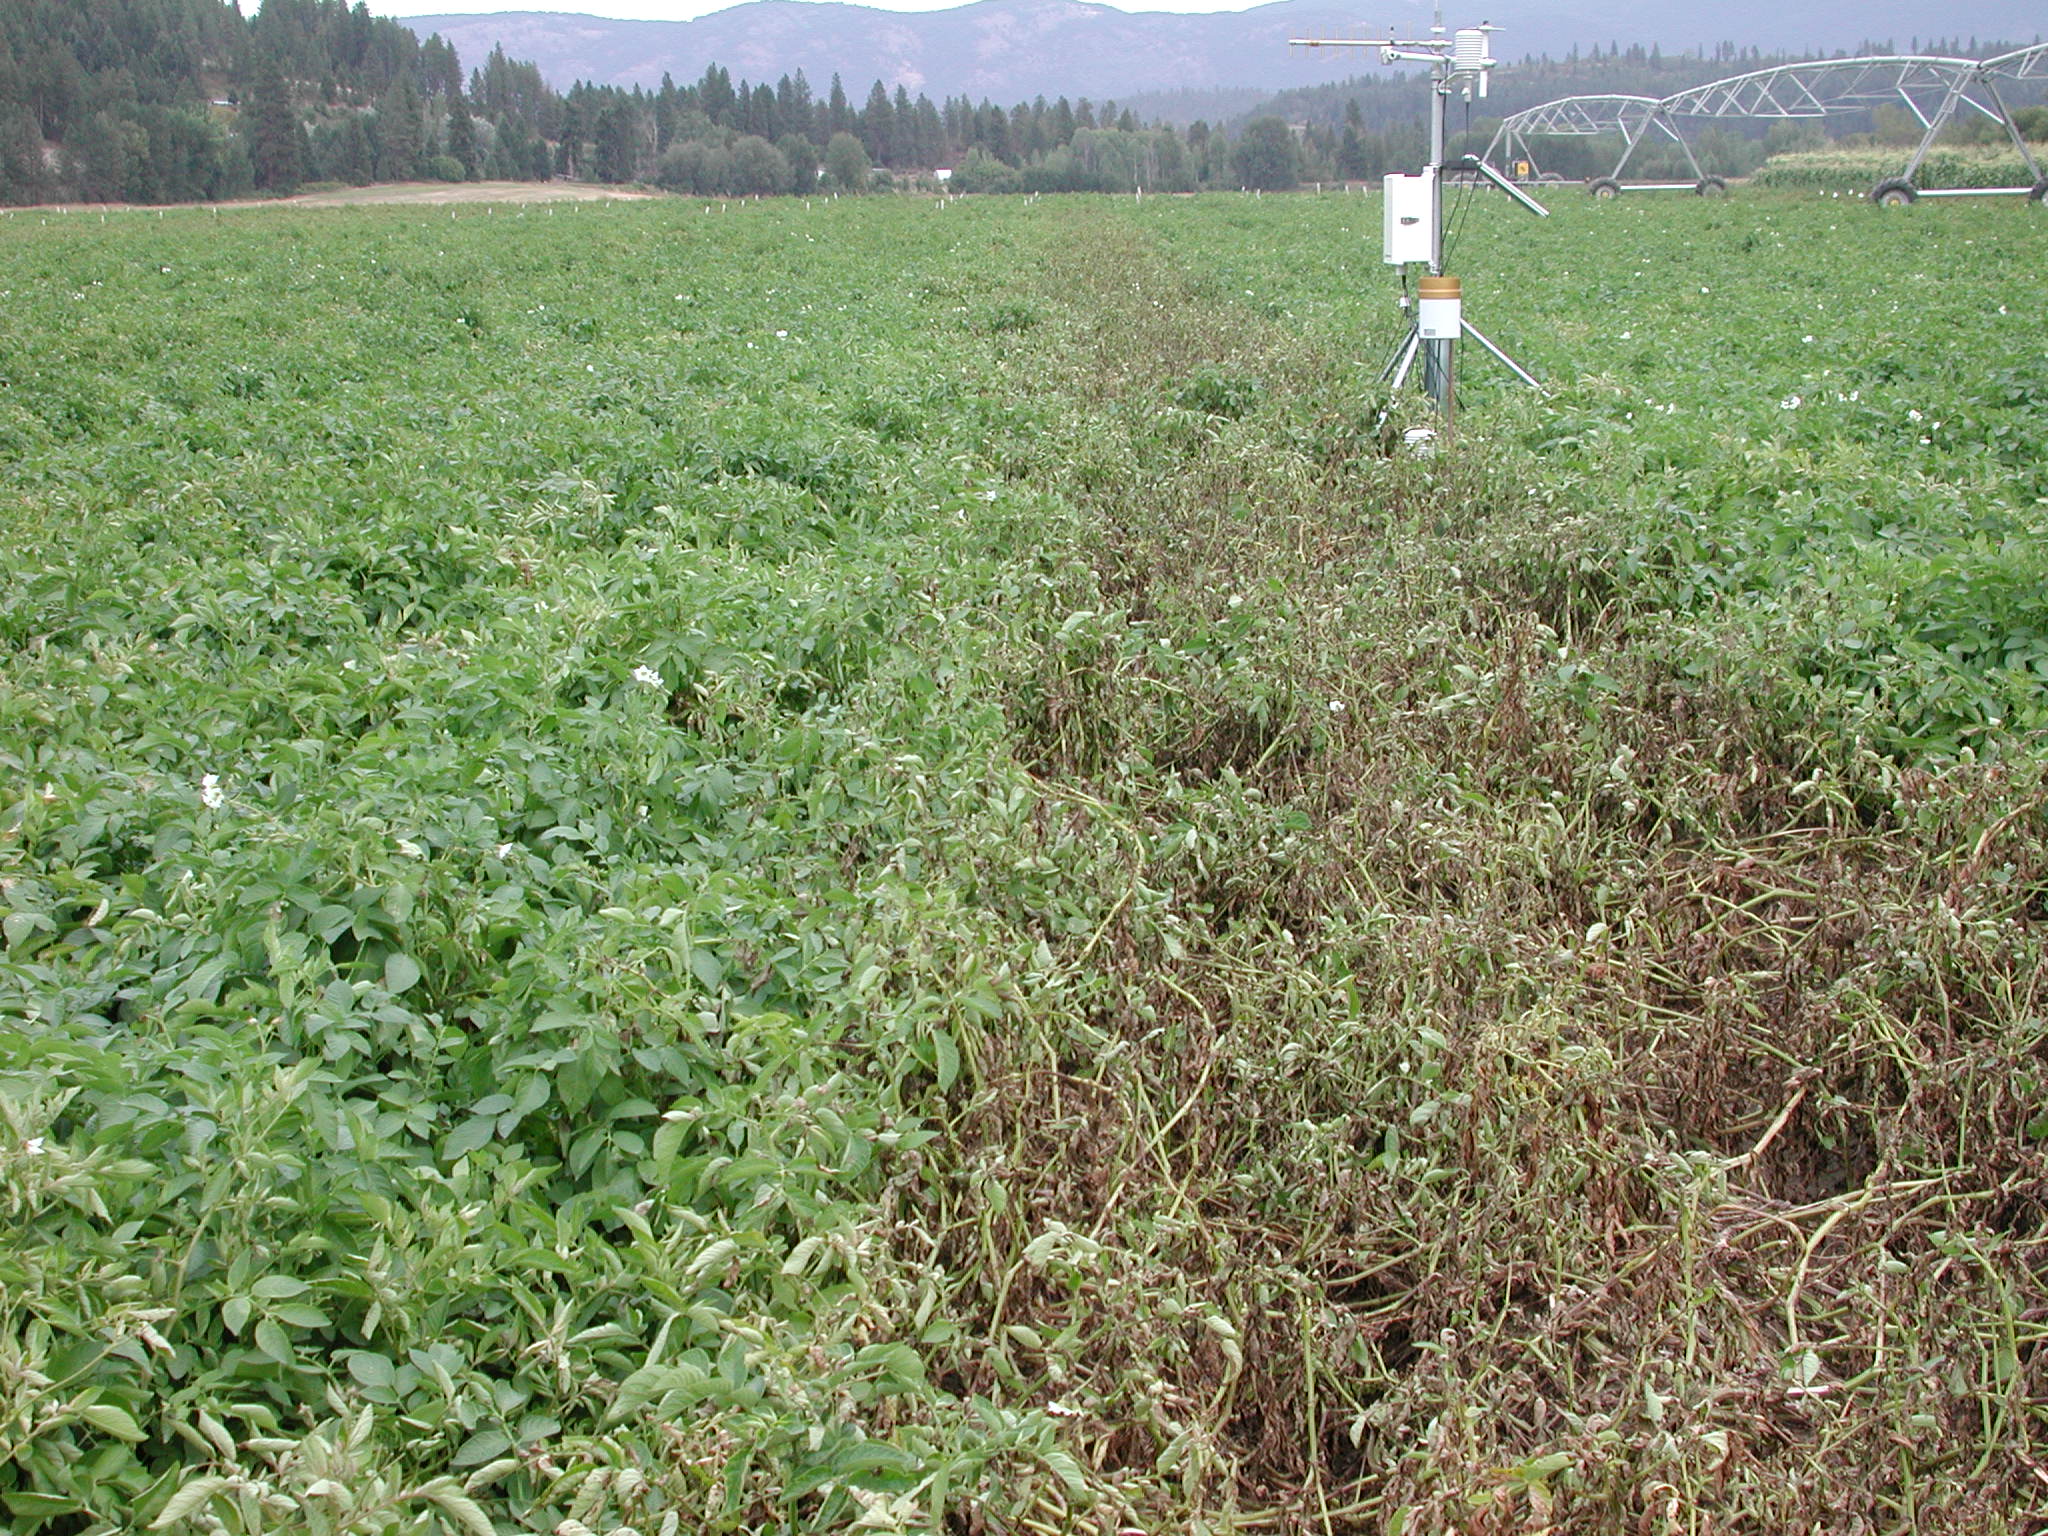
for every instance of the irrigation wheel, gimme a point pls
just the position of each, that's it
(1604, 187)
(2039, 195)
(1710, 186)
(1894, 194)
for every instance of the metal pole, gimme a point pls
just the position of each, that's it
(1511, 365)
(1436, 374)
(1942, 114)
(2019, 140)
(1436, 353)
(1691, 159)
(1436, 167)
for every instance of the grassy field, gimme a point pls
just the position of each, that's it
(890, 866)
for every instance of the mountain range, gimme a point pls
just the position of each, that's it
(1013, 50)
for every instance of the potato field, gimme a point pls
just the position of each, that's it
(900, 866)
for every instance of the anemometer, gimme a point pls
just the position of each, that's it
(1413, 233)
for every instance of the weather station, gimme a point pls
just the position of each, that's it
(1413, 233)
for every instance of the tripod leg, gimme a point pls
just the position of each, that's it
(1511, 365)
(1397, 370)
(1400, 356)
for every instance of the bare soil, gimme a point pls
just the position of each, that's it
(423, 193)
(438, 192)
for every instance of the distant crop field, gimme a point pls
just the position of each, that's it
(896, 865)
(1848, 171)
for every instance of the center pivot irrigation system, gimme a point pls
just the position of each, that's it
(1414, 206)
(1933, 88)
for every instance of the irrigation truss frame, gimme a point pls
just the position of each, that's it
(1934, 88)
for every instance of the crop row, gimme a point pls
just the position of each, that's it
(856, 865)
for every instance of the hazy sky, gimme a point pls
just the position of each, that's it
(686, 10)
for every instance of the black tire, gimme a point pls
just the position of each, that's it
(1710, 186)
(1894, 194)
(2039, 196)
(1604, 187)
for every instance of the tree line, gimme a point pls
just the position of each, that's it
(157, 101)
(184, 100)
(712, 137)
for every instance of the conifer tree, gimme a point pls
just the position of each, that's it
(462, 136)
(24, 175)
(793, 104)
(668, 106)
(276, 148)
(902, 129)
(715, 95)
(355, 155)
(877, 124)
(96, 158)
(399, 135)
(1352, 163)
(996, 136)
(612, 152)
(931, 134)
(569, 147)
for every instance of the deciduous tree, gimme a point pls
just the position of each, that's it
(1265, 158)
(846, 163)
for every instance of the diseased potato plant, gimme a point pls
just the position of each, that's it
(892, 866)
